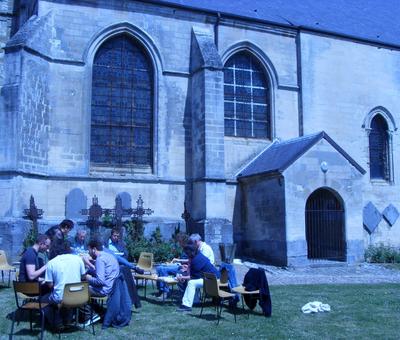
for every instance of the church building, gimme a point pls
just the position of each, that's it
(271, 125)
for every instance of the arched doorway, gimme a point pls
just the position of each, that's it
(325, 230)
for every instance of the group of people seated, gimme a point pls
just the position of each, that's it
(98, 263)
(71, 261)
(197, 258)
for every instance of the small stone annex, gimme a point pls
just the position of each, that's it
(268, 124)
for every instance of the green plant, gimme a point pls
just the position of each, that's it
(382, 254)
(156, 236)
(134, 230)
(107, 221)
(29, 240)
(137, 243)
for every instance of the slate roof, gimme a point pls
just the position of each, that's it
(371, 20)
(279, 155)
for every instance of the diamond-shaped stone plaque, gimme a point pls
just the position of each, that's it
(391, 214)
(371, 217)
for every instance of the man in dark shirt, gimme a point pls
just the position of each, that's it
(198, 264)
(60, 232)
(31, 266)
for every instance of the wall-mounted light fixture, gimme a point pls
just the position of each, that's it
(324, 167)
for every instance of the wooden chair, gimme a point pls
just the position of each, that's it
(4, 266)
(227, 252)
(212, 290)
(255, 294)
(223, 280)
(76, 295)
(101, 300)
(27, 298)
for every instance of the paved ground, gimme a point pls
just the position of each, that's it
(337, 273)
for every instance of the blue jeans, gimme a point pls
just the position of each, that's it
(232, 282)
(165, 270)
(123, 261)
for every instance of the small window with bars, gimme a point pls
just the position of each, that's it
(122, 106)
(379, 149)
(246, 98)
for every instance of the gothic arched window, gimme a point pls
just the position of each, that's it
(379, 149)
(246, 98)
(122, 106)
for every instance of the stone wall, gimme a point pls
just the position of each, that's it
(317, 83)
(342, 82)
(6, 17)
(262, 231)
(302, 179)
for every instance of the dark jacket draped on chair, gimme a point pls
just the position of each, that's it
(118, 305)
(255, 279)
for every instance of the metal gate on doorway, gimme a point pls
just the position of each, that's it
(325, 227)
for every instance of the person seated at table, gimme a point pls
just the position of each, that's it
(198, 264)
(106, 269)
(203, 247)
(115, 244)
(79, 242)
(172, 268)
(60, 232)
(32, 267)
(63, 267)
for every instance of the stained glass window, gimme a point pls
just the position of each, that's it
(246, 98)
(122, 105)
(379, 149)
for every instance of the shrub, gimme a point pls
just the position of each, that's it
(107, 221)
(382, 254)
(137, 243)
(29, 240)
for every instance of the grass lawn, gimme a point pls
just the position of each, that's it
(358, 312)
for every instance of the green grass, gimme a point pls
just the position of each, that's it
(358, 312)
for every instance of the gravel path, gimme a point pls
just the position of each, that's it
(332, 274)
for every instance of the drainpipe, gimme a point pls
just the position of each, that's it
(299, 83)
(216, 29)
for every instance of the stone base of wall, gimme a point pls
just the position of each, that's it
(12, 235)
(167, 229)
(355, 251)
(263, 251)
(355, 254)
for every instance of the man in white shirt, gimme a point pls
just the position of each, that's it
(63, 268)
(203, 247)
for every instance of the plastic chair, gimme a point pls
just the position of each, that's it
(145, 262)
(27, 297)
(77, 295)
(4, 266)
(212, 290)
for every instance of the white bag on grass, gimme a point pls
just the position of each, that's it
(315, 307)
